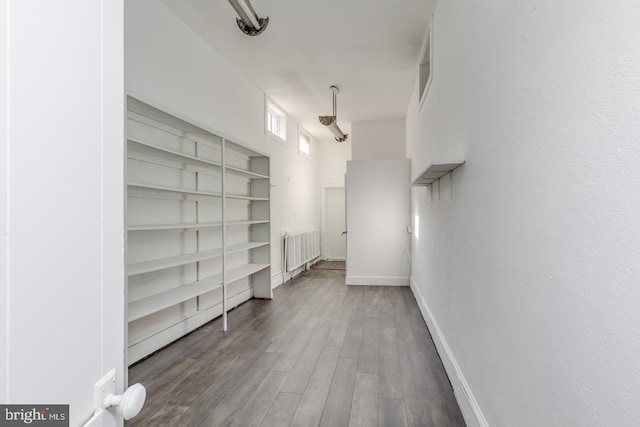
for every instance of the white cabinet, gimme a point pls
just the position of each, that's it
(198, 230)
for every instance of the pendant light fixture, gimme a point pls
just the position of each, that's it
(331, 122)
(248, 20)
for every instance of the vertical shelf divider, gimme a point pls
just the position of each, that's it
(197, 213)
(224, 237)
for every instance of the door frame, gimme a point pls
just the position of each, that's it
(70, 308)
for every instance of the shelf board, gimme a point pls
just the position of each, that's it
(147, 306)
(193, 226)
(243, 271)
(435, 171)
(234, 147)
(153, 304)
(244, 173)
(174, 261)
(172, 189)
(193, 192)
(184, 226)
(164, 153)
(241, 197)
(246, 222)
(244, 246)
(144, 112)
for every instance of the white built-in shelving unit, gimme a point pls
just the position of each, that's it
(198, 227)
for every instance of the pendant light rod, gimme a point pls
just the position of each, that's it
(248, 21)
(331, 122)
(251, 14)
(335, 91)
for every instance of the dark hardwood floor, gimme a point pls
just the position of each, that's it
(319, 354)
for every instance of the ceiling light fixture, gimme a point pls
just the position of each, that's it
(331, 122)
(248, 20)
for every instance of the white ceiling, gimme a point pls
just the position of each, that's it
(370, 49)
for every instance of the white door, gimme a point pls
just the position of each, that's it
(62, 285)
(336, 224)
(378, 214)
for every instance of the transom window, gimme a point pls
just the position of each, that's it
(276, 121)
(424, 71)
(305, 143)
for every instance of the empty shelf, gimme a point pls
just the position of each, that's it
(184, 226)
(435, 171)
(241, 197)
(174, 261)
(164, 153)
(172, 189)
(243, 271)
(244, 246)
(147, 306)
(244, 173)
(246, 222)
(166, 299)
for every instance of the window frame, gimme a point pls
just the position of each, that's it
(425, 66)
(271, 109)
(302, 132)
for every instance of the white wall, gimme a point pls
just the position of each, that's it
(169, 66)
(296, 179)
(332, 159)
(378, 204)
(529, 259)
(379, 139)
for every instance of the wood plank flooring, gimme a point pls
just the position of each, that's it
(331, 265)
(319, 354)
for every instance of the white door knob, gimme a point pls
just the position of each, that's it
(129, 404)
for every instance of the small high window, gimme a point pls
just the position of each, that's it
(276, 121)
(424, 72)
(305, 143)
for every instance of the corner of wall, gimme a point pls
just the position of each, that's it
(277, 279)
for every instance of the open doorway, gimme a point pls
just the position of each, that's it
(335, 244)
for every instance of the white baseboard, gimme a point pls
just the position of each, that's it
(277, 280)
(377, 281)
(469, 407)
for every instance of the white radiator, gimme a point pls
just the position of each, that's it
(300, 248)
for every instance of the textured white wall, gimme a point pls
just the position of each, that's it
(169, 66)
(332, 158)
(529, 259)
(378, 140)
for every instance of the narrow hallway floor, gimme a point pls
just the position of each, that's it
(319, 354)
